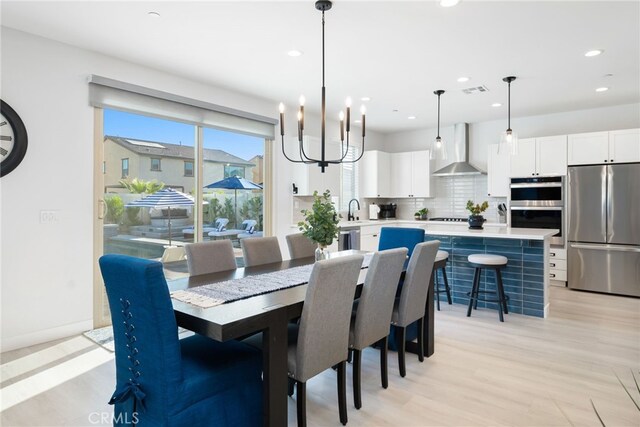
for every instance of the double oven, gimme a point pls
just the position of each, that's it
(539, 203)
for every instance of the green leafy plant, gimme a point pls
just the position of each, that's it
(214, 209)
(133, 216)
(321, 222)
(422, 213)
(115, 209)
(477, 209)
(255, 210)
(140, 186)
(228, 212)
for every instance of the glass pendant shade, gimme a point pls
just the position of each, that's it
(508, 142)
(438, 149)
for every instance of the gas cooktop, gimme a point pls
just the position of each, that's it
(449, 219)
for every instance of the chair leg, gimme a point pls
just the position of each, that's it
(301, 398)
(501, 285)
(446, 286)
(475, 301)
(401, 334)
(350, 356)
(342, 391)
(420, 339)
(290, 384)
(383, 362)
(357, 391)
(473, 291)
(500, 293)
(436, 288)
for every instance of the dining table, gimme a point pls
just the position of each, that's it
(270, 314)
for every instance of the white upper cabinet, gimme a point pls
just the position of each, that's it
(588, 148)
(411, 174)
(524, 163)
(375, 174)
(618, 146)
(540, 156)
(498, 165)
(551, 152)
(624, 146)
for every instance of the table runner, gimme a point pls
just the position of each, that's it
(213, 294)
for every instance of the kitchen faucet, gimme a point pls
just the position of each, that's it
(350, 216)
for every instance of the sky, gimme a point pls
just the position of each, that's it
(135, 126)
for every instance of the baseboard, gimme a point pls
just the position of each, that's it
(45, 335)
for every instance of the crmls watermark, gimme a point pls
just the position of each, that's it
(108, 418)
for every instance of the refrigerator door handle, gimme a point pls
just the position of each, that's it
(609, 205)
(615, 248)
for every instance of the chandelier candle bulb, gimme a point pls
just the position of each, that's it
(281, 108)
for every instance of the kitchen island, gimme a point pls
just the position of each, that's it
(526, 277)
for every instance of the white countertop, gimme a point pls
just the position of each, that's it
(460, 229)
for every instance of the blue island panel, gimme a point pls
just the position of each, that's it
(523, 278)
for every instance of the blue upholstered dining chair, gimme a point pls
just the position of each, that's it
(164, 381)
(401, 237)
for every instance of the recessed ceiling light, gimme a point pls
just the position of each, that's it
(594, 52)
(294, 53)
(602, 89)
(395, 110)
(449, 3)
(411, 117)
(608, 75)
(496, 104)
(365, 99)
(357, 121)
(153, 14)
(463, 79)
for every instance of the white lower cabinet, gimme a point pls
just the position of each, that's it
(557, 266)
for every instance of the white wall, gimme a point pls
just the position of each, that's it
(484, 133)
(46, 269)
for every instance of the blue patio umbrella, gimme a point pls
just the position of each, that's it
(168, 198)
(235, 183)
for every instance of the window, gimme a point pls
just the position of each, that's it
(155, 165)
(188, 168)
(350, 178)
(125, 168)
(231, 170)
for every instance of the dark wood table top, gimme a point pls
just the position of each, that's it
(235, 319)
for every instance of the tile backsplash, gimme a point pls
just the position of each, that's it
(451, 195)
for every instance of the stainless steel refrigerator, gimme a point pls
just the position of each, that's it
(604, 228)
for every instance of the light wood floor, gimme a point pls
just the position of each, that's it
(524, 372)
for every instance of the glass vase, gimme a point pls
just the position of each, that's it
(321, 252)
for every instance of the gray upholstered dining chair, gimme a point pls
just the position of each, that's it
(210, 257)
(410, 305)
(370, 324)
(260, 250)
(321, 339)
(300, 246)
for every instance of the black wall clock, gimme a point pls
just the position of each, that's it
(13, 139)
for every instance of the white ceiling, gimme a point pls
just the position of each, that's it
(395, 52)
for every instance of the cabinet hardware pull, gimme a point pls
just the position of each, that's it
(552, 253)
(552, 275)
(605, 161)
(552, 264)
(612, 160)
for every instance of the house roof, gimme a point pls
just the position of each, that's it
(162, 149)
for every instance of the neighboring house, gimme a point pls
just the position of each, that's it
(171, 164)
(257, 172)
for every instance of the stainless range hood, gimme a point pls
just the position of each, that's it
(460, 151)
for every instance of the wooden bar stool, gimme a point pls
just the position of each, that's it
(441, 264)
(494, 262)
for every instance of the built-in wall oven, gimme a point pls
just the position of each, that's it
(539, 203)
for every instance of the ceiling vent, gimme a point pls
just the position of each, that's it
(474, 90)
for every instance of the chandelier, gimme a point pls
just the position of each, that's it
(509, 139)
(323, 162)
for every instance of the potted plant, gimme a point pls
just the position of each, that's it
(476, 219)
(320, 223)
(421, 214)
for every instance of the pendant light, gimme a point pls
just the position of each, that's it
(323, 162)
(438, 149)
(509, 139)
